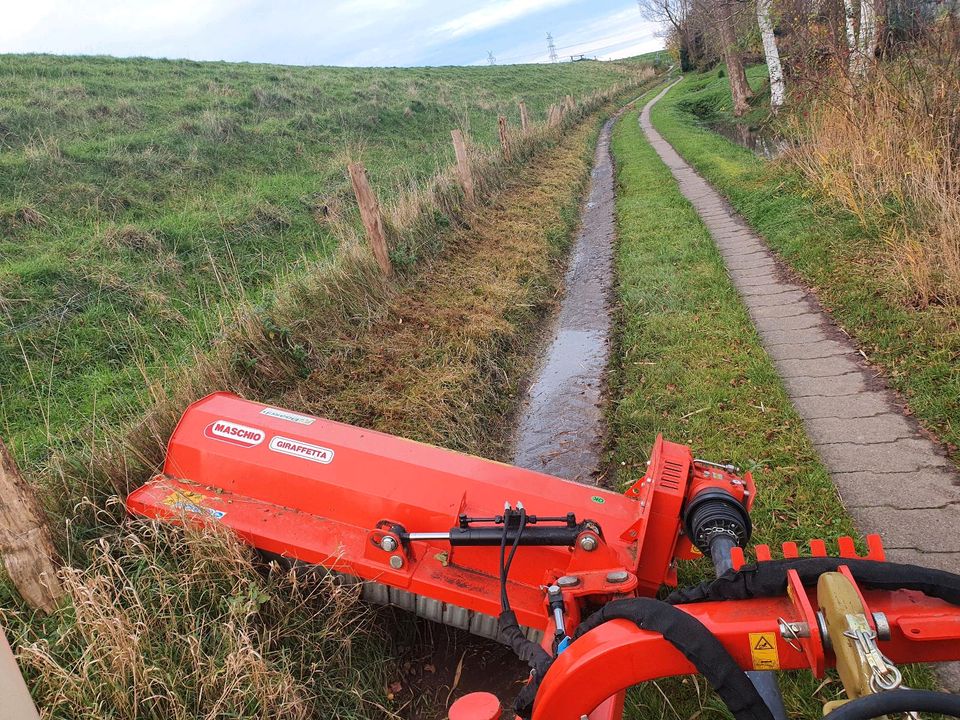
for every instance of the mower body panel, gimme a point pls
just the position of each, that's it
(315, 490)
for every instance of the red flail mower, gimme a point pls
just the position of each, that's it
(564, 573)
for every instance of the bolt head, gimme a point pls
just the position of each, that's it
(388, 544)
(588, 543)
(618, 576)
(568, 581)
(396, 562)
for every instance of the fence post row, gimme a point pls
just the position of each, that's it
(370, 214)
(463, 165)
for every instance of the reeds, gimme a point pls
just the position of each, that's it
(887, 148)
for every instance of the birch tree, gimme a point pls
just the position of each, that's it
(861, 34)
(772, 53)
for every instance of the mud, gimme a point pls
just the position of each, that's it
(561, 427)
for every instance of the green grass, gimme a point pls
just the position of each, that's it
(689, 364)
(195, 618)
(918, 350)
(141, 199)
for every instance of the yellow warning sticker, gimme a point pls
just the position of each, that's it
(178, 497)
(763, 650)
(191, 502)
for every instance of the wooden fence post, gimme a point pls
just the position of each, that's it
(25, 540)
(524, 118)
(555, 115)
(504, 140)
(463, 165)
(370, 214)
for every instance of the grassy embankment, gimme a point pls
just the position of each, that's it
(434, 355)
(689, 364)
(140, 200)
(848, 258)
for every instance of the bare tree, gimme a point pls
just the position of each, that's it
(772, 53)
(676, 15)
(739, 87)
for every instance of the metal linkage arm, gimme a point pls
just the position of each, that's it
(618, 654)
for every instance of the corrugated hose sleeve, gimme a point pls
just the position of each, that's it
(769, 579)
(535, 656)
(895, 702)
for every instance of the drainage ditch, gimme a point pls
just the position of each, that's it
(560, 431)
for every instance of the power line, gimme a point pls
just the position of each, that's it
(599, 39)
(581, 44)
(551, 48)
(604, 48)
(491, 59)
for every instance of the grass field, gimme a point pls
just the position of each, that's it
(435, 354)
(917, 349)
(140, 200)
(689, 364)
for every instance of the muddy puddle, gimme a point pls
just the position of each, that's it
(762, 141)
(561, 426)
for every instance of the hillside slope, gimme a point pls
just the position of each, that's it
(140, 199)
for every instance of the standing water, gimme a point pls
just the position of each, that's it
(561, 427)
(762, 141)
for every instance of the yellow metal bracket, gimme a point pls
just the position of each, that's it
(863, 669)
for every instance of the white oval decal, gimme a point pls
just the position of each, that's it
(289, 416)
(232, 432)
(288, 446)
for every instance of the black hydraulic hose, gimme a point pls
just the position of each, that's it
(698, 645)
(895, 702)
(766, 682)
(536, 657)
(769, 579)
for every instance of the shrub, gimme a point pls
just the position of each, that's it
(888, 150)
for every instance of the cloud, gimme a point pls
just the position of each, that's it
(308, 32)
(617, 34)
(493, 15)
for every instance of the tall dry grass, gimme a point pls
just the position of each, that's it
(185, 624)
(887, 148)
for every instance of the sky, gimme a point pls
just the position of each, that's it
(329, 32)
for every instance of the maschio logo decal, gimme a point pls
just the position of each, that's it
(233, 433)
(300, 449)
